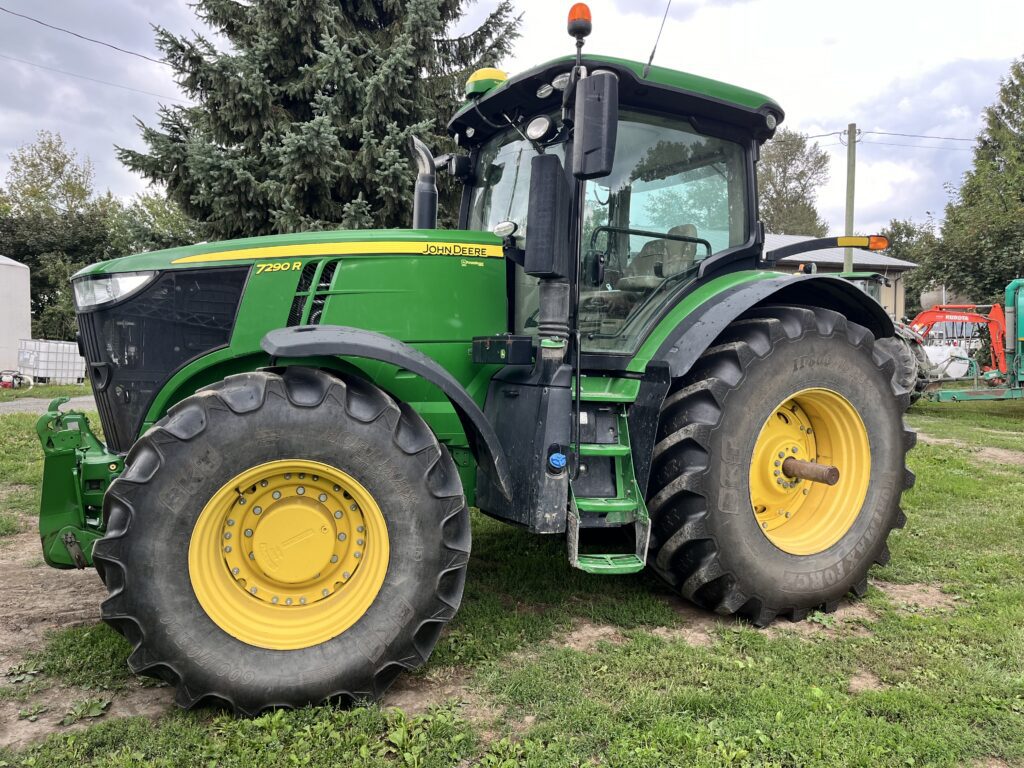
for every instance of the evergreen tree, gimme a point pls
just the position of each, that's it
(982, 245)
(305, 122)
(788, 177)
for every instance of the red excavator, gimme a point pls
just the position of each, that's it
(990, 316)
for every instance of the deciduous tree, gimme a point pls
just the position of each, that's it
(788, 177)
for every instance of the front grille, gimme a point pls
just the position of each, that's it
(133, 347)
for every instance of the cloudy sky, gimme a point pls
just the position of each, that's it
(924, 68)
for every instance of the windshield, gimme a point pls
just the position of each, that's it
(674, 198)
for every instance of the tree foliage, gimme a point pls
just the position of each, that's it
(304, 123)
(982, 236)
(53, 220)
(788, 176)
(913, 242)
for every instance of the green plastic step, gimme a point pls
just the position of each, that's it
(609, 449)
(604, 506)
(610, 564)
(599, 389)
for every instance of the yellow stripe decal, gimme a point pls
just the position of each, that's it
(852, 242)
(419, 248)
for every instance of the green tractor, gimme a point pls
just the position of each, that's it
(295, 426)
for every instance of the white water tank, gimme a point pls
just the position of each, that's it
(15, 310)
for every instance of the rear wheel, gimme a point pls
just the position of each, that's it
(731, 530)
(280, 540)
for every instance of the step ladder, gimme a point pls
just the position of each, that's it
(625, 508)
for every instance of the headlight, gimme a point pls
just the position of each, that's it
(102, 289)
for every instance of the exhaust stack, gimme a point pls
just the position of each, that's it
(424, 201)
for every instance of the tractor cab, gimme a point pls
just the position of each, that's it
(678, 201)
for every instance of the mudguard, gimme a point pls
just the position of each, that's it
(315, 340)
(699, 329)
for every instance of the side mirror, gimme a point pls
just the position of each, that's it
(597, 123)
(547, 239)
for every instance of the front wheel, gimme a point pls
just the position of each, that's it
(733, 530)
(281, 540)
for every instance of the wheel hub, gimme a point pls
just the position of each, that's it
(301, 550)
(802, 517)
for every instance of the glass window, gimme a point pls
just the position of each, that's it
(674, 198)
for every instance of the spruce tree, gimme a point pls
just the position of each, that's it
(304, 122)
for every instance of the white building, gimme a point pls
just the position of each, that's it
(15, 310)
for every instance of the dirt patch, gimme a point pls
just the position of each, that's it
(1002, 456)
(994, 455)
(586, 636)
(698, 628)
(34, 601)
(53, 703)
(864, 681)
(417, 694)
(852, 618)
(915, 597)
(989, 762)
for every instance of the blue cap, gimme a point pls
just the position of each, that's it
(557, 460)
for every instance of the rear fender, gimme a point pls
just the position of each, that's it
(698, 330)
(321, 340)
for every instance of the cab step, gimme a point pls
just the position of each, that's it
(611, 563)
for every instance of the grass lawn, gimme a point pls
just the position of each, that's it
(546, 666)
(44, 391)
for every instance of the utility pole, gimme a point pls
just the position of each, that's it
(851, 171)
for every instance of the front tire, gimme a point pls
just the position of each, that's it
(282, 540)
(730, 530)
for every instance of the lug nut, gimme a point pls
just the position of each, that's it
(360, 542)
(276, 494)
(325, 592)
(227, 535)
(357, 555)
(248, 532)
(360, 528)
(353, 507)
(288, 601)
(781, 454)
(334, 558)
(257, 510)
(795, 450)
(288, 476)
(341, 537)
(253, 590)
(346, 575)
(322, 497)
(252, 555)
(274, 599)
(300, 490)
(778, 463)
(227, 548)
(764, 525)
(234, 571)
(263, 483)
(337, 488)
(337, 514)
(241, 500)
(231, 522)
(302, 600)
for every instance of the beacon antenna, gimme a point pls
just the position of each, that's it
(647, 67)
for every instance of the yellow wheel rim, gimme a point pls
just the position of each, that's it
(799, 516)
(288, 554)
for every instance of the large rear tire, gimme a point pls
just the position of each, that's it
(730, 530)
(282, 540)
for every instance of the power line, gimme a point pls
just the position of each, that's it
(920, 136)
(917, 146)
(84, 37)
(91, 79)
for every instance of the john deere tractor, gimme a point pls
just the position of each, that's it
(295, 426)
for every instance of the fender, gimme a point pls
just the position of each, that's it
(316, 340)
(699, 329)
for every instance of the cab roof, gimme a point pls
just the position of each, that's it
(663, 89)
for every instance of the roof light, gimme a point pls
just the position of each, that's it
(540, 128)
(560, 82)
(579, 21)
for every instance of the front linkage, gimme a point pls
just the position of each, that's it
(78, 470)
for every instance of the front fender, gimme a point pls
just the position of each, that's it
(318, 340)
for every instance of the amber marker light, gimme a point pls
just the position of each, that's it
(878, 242)
(579, 20)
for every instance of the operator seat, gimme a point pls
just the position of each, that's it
(675, 256)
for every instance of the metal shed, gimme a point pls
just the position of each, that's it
(15, 310)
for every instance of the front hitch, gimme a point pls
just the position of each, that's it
(77, 470)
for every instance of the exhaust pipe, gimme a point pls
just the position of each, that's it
(424, 201)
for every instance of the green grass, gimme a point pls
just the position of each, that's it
(950, 686)
(45, 391)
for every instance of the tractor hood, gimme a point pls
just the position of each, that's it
(384, 242)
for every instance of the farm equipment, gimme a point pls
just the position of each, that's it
(1004, 374)
(296, 425)
(12, 379)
